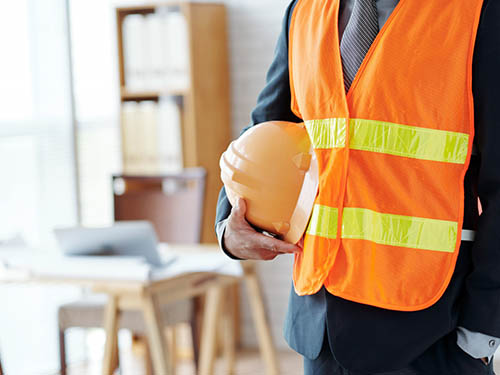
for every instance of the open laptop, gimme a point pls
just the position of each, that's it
(124, 238)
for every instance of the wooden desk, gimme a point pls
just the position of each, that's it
(148, 295)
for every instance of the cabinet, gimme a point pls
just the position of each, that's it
(203, 102)
(172, 203)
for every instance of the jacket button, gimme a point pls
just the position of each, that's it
(492, 343)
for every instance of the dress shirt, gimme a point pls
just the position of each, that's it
(476, 344)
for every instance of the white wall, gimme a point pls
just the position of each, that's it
(254, 26)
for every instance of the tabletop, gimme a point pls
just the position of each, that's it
(19, 264)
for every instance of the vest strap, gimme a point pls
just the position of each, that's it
(468, 235)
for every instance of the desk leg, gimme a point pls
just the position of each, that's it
(266, 345)
(209, 330)
(111, 326)
(155, 330)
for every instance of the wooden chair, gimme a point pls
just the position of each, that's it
(173, 203)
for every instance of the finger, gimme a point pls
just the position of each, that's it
(238, 220)
(301, 243)
(240, 208)
(278, 246)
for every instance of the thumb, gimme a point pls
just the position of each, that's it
(241, 207)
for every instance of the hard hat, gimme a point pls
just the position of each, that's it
(274, 168)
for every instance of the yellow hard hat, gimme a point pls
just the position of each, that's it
(273, 167)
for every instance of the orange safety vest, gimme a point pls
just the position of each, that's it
(392, 153)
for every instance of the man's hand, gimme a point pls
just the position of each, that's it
(241, 240)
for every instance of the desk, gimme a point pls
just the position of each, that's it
(198, 270)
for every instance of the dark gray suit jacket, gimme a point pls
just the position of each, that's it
(365, 338)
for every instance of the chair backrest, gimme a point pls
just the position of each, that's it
(173, 203)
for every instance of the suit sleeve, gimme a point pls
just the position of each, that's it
(481, 300)
(273, 103)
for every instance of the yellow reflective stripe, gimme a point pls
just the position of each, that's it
(323, 221)
(390, 138)
(327, 133)
(408, 141)
(385, 229)
(397, 230)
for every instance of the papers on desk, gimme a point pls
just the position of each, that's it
(32, 264)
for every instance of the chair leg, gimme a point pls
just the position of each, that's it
(62, 353)
(195, 322)
(209, 332)
(147, 357)
(266, 344)
(172, 345)
(116, 355)
(154, 328)
(111, 326)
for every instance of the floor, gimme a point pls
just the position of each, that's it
(248, 363)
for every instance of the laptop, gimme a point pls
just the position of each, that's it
(123, 238)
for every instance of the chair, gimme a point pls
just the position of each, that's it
(173, 203)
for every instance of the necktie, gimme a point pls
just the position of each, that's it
(358, 36)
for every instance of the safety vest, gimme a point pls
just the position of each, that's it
(392, 152)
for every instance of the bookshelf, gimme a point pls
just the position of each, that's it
(203, 102)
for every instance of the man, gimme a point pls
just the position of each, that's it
(456, 330)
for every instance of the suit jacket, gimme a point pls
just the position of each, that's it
(366, 338)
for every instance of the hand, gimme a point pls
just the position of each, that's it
(243, 241)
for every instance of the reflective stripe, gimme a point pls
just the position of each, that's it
(387, 229)
(408, 141)
(323, 221)
(468, 235)
(327, 133)
(390, 138)
(398, 230)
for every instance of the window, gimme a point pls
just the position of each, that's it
(36, 149)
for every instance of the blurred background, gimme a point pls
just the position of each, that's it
(93, 89)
